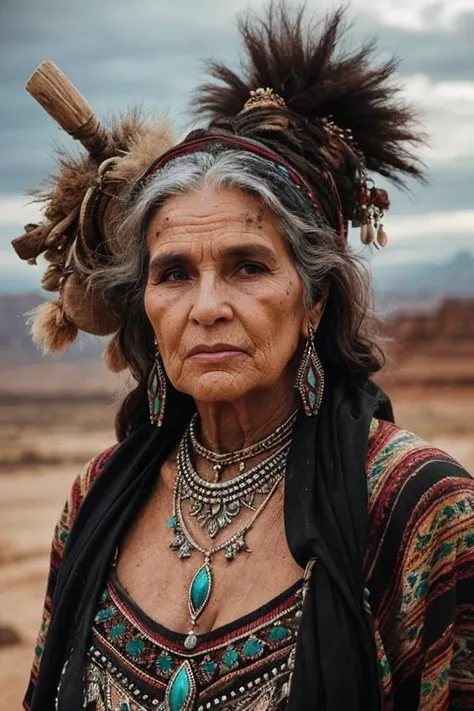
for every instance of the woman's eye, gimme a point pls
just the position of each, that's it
(251, 268)
(175, 275)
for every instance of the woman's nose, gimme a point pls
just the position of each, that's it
(210, 302)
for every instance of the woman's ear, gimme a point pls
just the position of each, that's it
(313, 317)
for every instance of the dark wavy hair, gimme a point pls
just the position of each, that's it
(302, 63)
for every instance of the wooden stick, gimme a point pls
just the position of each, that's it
(53, 90)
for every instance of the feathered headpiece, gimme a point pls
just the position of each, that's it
(82, 205)
(334, 116)
(329, 118)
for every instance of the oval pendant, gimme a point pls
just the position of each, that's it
(181, 690)
(200, 590)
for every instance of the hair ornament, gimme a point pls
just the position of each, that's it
(336, 135)
(371, 202)
(369, 212)
(263, 99)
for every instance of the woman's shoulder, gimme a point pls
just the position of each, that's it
(396, 456)
(413, 485)
(84, 481)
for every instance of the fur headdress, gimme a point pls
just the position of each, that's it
(330, 116)
(81, 207)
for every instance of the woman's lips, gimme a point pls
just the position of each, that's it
(208, 356)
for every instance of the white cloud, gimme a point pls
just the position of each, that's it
(430, 237)
(16, 211)
(415, 15)
(439, 224)
(447, 110)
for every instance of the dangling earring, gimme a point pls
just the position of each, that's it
(157, 391)
(310, 378)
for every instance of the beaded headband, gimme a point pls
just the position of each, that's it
(257, 149)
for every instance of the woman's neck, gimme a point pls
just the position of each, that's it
(231, 426)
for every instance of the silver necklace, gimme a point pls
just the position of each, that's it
(183, 543)
(216, 505)
(220, 461)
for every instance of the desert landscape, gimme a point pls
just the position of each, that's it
(55, 416)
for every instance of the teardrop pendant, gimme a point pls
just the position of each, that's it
(200, 590)
(381, 236)
(364, 234)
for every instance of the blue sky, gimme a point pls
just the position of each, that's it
(149, 53)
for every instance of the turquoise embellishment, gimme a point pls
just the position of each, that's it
(209, 667)
(200, 590)
(171, 523)
(252, 647)
(117, 631)
(106, 614)
(310, 378)
(135, 647)
(165, 663)
(278, 634)
(156, 392)
(230, 658)
(181, 691)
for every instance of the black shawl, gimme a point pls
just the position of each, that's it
(325, 513)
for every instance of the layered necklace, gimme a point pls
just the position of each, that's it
(216, 504)
(219, 461)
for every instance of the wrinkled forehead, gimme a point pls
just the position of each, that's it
(212, 212)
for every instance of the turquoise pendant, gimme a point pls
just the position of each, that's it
(200, 590)
(181, 691)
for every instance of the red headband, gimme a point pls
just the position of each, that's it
(258, 149)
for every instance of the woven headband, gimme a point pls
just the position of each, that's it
(258, 149)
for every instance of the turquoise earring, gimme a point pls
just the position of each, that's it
(310, 378)
(156, 391)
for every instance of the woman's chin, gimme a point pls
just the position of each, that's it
(217, 386)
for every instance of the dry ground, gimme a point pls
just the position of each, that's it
(44, 442)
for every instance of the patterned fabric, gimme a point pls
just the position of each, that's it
(246, 665)
(419, 570)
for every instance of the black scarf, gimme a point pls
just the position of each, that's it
(325, 517)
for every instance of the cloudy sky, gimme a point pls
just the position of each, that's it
(121, 53)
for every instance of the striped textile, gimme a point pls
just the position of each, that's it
(419, 570)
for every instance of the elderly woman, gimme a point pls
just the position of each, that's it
(263, 537)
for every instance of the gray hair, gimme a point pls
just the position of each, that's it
(316, 249)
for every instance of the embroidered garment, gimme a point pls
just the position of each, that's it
(419, 568)
(134, 663)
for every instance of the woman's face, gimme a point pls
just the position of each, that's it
(223, 295)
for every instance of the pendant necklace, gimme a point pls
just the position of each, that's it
(184, 544)
(216, 504)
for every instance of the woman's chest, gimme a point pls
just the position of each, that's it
(135, 664)
(164, 582)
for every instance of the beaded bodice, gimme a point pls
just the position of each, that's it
(135, 664)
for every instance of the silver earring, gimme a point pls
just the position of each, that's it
(156, 391)
(310, 378)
